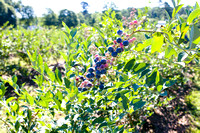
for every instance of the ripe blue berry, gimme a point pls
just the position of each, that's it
(81, 77)
(98, 76)
(84, 89)
(88, 75)
(79, 88)
(119, 50)
(119, 40)
(89, 85)
(91, 70)
(91, 80)
(98, 64)
(111, 49)
(103, 71)
(98, 72)
(125, 43)
(114, 54)
(101, 86)
(103, 61)
(119, 32)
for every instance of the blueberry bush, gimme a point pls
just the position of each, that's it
(112, 80)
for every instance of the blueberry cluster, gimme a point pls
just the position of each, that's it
(96, 75)
(119, 45)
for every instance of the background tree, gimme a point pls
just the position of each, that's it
(7, 13)
(168, 9)
(85, 7)
(50, 18)
(69, 17)
(27, 14)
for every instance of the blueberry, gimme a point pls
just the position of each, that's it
(84, 89)
(98, 76)
(81, 77)
(98, 64)
(79, 88)
(101, 86)
(119, 32)
(89, 85)
(102, 66)
(114, 54)
(103, 71)
(91, 80)
(186, 39)
(91, 70)
(96, 68)
(96, 59)
(111, 49)
(125, 43)
(119, 40)
(103, 61)
(88, 75)
(119, 50)
(98, 72)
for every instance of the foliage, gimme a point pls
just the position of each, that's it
(68, 17)
(7, 13)
(132, 77)
(50, 19)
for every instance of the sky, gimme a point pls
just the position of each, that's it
(39, 6)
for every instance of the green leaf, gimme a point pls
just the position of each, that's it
(143, 45)
(151, 78)
(14, 79)
(164, 94)
(159, 88)
(135, 87)
(58, 76)
(124, 102)
(10, 99)
(174, 3)
(193, 15)
(145, 72)
(66, 27)
(98, 120)
(17, 125)
(176, 10)
(139, 67)
(73, 32)
(129, 65)
(103, 125)
(169, 52)
(197, 40)
(170, 83)
(157, 43)
(30, 99)
(67, 82)
(139, 105)
(194, 34)
(182, 56)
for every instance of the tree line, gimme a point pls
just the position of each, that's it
(9, 9)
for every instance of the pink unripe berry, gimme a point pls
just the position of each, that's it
(131, 23)
(96, 55)
(135, 21)
(121, 45)
(108, 61)
(115, 42)
(106, 65)
(133, 38)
